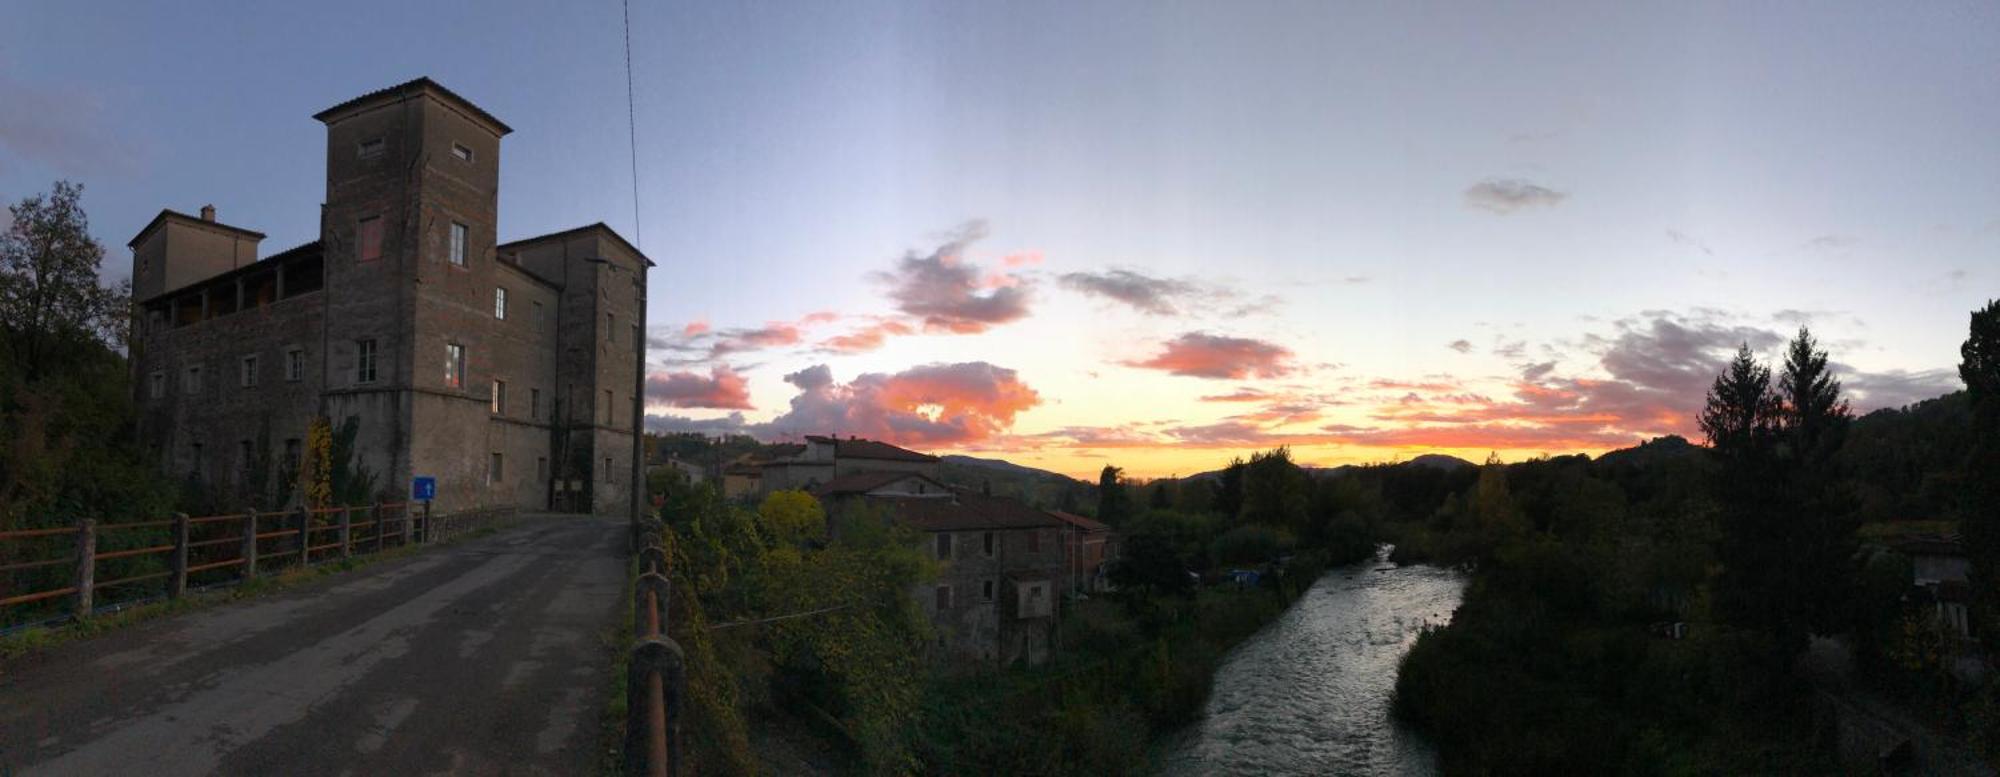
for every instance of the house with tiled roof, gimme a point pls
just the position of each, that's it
(1002, 563)
(825, 457)
(1088, 545)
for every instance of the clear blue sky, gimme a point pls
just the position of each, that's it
(1374, 223)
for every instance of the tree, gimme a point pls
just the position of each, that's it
(1113, 504)
(50, 298)
(1980, 369)
(1494, 514)
(1229, 490)
(1275, 491)
(1814, 421)
(792, 518)
(1741, 412)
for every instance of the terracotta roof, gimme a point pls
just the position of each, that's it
(967, 512)
(601, 226)
(857, 448)
(1080, 522)
(167, 213)
(411, 87)
(864, 482)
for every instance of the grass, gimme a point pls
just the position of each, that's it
(611, 729)
(35, 640)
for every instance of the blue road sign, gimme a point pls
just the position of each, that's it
(423, 488)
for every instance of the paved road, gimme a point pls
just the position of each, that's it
(484, 657)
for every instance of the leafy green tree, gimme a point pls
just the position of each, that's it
(1229, 490)
(50, 296)
(792, 518)
(1275, 491)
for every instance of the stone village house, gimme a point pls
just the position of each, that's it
(510, 372)
(1002, 562)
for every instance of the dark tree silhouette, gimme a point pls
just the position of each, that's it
(1980, 369)
(1113, 504)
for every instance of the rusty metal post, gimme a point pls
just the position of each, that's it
(249, 544)
(649, 604)
(652, 559)
(178, 582)
(653, 688)
(86, 564)
(347, 533)
(303, 522)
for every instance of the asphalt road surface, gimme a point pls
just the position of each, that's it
(488, 656)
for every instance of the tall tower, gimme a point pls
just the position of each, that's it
(409, 225)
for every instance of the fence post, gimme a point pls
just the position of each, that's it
(653, 689)
(178, 583)
(346, 533)
(375, 511)
(249, 544)
(430, 529)
(86, 564)
(652, 559)
(303, 521)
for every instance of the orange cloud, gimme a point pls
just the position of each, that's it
(1202, 355)
(934, 404)
(867, 338)
(721, 389)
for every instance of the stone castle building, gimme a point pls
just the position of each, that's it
(510, 372)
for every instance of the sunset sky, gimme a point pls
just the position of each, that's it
(1155, 235)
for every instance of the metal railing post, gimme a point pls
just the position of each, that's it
(86, 564)
(249, 544)
(304, 522)
(376, 512)
(346, 533)
(654, 686)
(177, 584)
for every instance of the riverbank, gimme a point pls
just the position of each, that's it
(1311, 693)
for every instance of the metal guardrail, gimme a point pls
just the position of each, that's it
(656, 675)
(261, 541)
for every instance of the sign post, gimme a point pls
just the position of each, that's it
(423, 488)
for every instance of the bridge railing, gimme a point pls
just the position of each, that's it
(656, 677)
(162, 559)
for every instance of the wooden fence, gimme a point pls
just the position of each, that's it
(159, 559)
(656, 676)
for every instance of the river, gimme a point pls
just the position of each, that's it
(1310, 693)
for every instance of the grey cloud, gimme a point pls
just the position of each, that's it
(1506, 195)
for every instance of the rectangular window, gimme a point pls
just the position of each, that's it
(607, 407)
(458, 244)
(986, 590)
(464, 154)
(499, 397)
(944, 546)
(291, 463)
(364, 361)
(248, 375)
(538, 317)
(534, 404)
(988, 539)
(191, 381)
(159, 385)
(541, 468)
(500, 303)
(454, 365)
(242, 461)
(368, 149)
(607, 469)
(944, 597)
(295, 364)
(494, 469)
(195, 468)
(370, 238)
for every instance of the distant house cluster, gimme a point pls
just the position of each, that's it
(1006, 566)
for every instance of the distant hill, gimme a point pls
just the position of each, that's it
(1038, 487)
(1002, 465)
(1650, 452)
(1440, 461)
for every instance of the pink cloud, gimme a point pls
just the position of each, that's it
(944, 292)
(934, 404)
(721, 389)
(1202, 355)
(867, 338)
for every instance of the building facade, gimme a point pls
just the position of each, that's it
(1000, 561)
(510, 372)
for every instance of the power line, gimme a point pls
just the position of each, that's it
(632, 128)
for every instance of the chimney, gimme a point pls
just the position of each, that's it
(208, 213)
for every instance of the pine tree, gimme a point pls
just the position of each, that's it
(1814, 421)
(1980, 369)
(1113, 505)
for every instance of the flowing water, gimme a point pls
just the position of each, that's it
(1310, 693)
